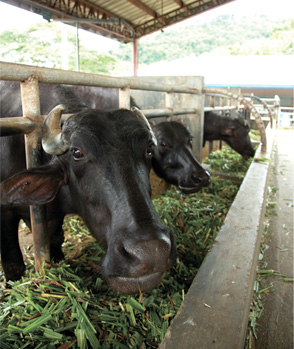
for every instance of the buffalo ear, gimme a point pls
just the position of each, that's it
(228, 131)
(31, 187)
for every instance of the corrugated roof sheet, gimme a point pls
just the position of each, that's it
(123, 20)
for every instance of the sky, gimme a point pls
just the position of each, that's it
(13, 18)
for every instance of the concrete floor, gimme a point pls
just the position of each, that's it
(275, 327)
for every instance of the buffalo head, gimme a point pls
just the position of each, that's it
(173, 159)
(99, 168)
(237, 137)
(234, 131)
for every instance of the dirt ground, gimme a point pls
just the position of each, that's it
(275, 327)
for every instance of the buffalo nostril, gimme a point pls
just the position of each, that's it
(150, 255)
(144, 267)
(196, 179)
(201, 178)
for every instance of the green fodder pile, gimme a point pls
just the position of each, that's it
(70, 306)
(228, 161)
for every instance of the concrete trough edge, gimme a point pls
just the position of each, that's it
(216, 308)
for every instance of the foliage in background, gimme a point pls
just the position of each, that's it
(42, 44)
(223, 35)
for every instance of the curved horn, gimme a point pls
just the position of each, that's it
(52, 141)
(241, 119)
(143, 117)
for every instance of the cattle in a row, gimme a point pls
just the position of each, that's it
(172, 160)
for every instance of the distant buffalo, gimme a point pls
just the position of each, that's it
(234, 131)
(173, 159)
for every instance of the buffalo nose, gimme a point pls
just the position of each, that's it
(201, 178)
(150, 255)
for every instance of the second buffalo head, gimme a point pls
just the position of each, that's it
(173, 159)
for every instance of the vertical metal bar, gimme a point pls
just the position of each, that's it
(276, 111)
(212, 101)
(168, 104)
(135, 57)
(77, 47)
(124, 97)
(221, 103)
(31, 109)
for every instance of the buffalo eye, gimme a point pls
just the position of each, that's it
(149, 150)
(77, 154)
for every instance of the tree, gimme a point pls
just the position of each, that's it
(42, 45)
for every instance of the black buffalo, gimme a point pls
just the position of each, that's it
(173, 159)
(102, 174)
(234, 131)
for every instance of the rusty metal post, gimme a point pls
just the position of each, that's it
(31, 110)
(135, 57)
(124, 96)
(276, 110)
(169, 103)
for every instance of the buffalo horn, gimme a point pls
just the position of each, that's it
(143, 117)
(242, 120)
(52, 141)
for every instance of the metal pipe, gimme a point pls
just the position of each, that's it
(16, 125)
(264, 105)
(20, 72)
(77, 48)
(31, 109)
(74, 20)
(135, 57)
(228, 107)
(157, 113)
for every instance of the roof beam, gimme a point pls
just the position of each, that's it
(183, 6)
(147, 10)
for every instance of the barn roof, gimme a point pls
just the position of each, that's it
(122, 20)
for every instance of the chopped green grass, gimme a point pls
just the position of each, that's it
(71, 304)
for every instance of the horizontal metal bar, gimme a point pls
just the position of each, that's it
(16, 125)
(19, 124)
(286, 108)
(268, 99)
(216, 94)
(157, 113)
(111, 20)
(20, 72)
(228, 107)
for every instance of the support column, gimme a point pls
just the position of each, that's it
(135, 57)
(31, 110)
